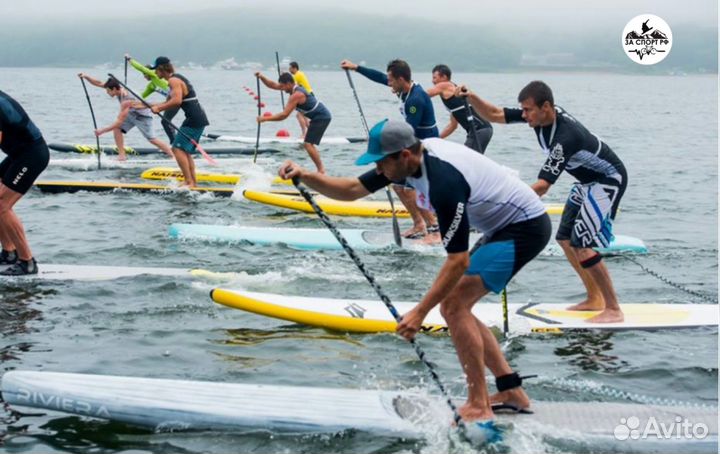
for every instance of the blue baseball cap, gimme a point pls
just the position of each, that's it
(386, 138)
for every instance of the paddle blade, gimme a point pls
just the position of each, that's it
(204, 154)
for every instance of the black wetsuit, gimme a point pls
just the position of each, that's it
(27, 152)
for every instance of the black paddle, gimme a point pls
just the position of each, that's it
(282, 95)
(92, 113)
(384, 298)
(257, 139)
(181, 132)
(396, 226)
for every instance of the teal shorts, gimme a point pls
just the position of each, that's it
(183, 142)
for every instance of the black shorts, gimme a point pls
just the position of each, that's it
(589, 212)
(316, 130)
(498, 258)
(20, 172)
(484, 134)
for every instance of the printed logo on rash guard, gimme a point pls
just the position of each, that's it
(555, 158)
(455, 224)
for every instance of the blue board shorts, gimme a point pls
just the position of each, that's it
(498, 258)
(183, 143)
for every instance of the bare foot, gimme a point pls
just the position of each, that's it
(597, 304)
(431, 238)
(122, 158)
(516, 397)
(415, 231)
(608, 316)
(469, 412)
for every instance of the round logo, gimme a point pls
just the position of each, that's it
(413, 109)
(647, 39)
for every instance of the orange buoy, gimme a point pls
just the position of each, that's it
(283, 133)
(267, 114)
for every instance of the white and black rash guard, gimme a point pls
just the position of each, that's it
(465, 189)
(569, 146)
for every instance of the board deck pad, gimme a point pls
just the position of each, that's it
(163, 404)
(371, 316)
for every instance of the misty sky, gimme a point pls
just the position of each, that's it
(564, 14)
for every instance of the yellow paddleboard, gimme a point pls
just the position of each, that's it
(169, 173)
(56, 187)
(371, 316)
(359, 208)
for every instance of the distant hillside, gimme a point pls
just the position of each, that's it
(323, 39)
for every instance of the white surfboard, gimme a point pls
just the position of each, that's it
(314, 239)
(371, 316)
(163, 405)
(104, 273)
(285, 140)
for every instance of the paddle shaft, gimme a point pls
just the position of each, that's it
(180, 131)
(126, 64)
(282, 95)
(92, 114)
(396, 226)
(383, 297)
(506, 323)
(257, 138)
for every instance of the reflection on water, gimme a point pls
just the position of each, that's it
(15, 314)
(588, 350)
(247, 336)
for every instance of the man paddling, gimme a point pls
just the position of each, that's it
(417, 109)
(305, 103)
(467, 190)
(445, 88)
(156, 85)
(182, 95)
(594, 198)
(132, 114)
(301, 79)
(27, 156)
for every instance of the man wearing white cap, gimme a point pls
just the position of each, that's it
(466, 189)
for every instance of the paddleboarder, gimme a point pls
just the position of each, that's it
(132, 114)
(182, 95)
(417, 109)
(467, 190)
(156, 85)
(27, 157)
(445, 88)
(306, 104)
(601, 180)
(301, 79)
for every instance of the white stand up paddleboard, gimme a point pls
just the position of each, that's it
(194, 405)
